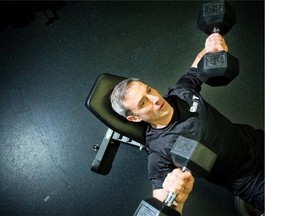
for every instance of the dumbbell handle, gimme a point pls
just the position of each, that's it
(172, 196)
(216, 30)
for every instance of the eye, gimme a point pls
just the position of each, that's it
(143, 103)
(149, 89)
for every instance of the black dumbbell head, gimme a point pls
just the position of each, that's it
(217, 14)
(193, 155)
(218, 69)
(153, 207)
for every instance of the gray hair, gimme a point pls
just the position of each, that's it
(118, 96)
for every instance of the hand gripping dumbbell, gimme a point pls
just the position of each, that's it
(220, 68)
(190, 155)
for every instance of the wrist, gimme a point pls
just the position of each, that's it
(198, 58)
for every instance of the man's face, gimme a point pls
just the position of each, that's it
(146, 104)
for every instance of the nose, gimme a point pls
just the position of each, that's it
(154, 99)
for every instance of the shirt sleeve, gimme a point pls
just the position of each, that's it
(189, 81)
(158, 169)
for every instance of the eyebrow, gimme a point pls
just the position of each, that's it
(141, 100)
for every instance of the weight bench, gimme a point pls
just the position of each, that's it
(119, 129)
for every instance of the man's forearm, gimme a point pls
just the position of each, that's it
(198, 58)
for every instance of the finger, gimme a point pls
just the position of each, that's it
(214, 36)
(214, 46)
(174, 186)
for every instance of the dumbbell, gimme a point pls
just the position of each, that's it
(190, 155)
(220, 68)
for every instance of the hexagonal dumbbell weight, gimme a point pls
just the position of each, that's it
(190, 155)
(220, 68)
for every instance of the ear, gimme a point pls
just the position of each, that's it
(133, 118)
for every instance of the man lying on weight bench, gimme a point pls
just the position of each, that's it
(239, 166)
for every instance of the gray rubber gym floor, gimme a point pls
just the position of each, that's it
(47, 71)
